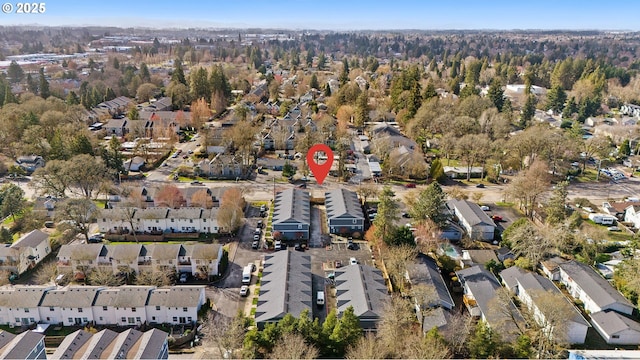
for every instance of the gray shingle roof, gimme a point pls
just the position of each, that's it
(471, 212)
(537, 286)
(71, 297)
(71, 344)
(285, 286)
(292, 205)
(21, 346)
(28, 296)
(124, 252)
(163, 251)
(5, 338)
(185, 213)
(510, 276)
(152, 213)
(341, 202)
(150, 344)
(176, 296)
(594, 285)
(612, 322)
(82, 251)
(99, 343)
(32, 239)
(124, 296)
(425, 271)
(482, 286)
(117, 214)
(203, 251)
(362, 287)
(123, 344)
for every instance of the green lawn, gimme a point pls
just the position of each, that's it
(587, 175)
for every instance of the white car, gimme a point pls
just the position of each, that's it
(353, 261)
(484, 208)
(244, 290)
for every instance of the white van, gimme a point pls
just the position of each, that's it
(320, 298)
(246, 274)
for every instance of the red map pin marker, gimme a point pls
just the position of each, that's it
(320, 171)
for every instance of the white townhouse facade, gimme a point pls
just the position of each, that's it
(123, 306)
(159, 219)
(175, 305)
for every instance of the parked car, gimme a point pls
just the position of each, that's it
(253, 266)
(496, 218)
(353, 261)
(480, 186)
(256, 237)
(263, 208)
(614, 228)
(255, 244)
(485, 208)
(196, 182)
(260, 223)
(410, 186)
(183, 278)
(278, 245)
(298, 247)
(244, 290)
(406, 215)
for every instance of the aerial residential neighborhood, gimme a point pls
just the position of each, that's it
(230, 182)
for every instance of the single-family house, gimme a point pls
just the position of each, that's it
(116, 127)
(632, 215)
(534, 291)
(71, 306)
(615, 328)
(26, 345)
(480, 298)
(292, 214)
(30, 163)
(134, 164)
(344, 213)
(550, 267)
(122, 306)
(285, 287)
(363, 288)
(26, 253)
(223, 167)
(460, 172)
(175, 305)
(597, 294)
(476, 222)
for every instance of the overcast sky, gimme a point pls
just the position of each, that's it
(340, 15)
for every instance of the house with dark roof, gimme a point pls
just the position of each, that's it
(476, 222)
(480, 298)
(616, 328)
(597, 294)
(30, 163)
(424, 272)
(532, 290)
(79, 258)
(292, 214)
(472, 257)
(344, 213)
(108, 344)
(285, 287)
(26, 345)
(363, 288)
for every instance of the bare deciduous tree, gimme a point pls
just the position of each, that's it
(396, 259)
(367, 347)
(157, 277)
(224, 333)
(47, 272)
(294, 346)
(529, 185)
(202, 199)
(104, 277)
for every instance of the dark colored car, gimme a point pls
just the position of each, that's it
(480, 186)
(496, 218)
(410, 186)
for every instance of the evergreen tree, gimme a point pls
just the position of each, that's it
(346, 332)
(362, 110)
(496, 94)
(625, 149)
(81, 145)
(556, 98)
(14, 72)
(484, 343)
(528, 111)
(58, 149)
(112, 156)
(116, 63)
(32, 85)
(555, 207)
(429, 91)
(314, 82)
(327, 90)
(72, 98)
(429, 204)
(109, 94)
(8, 95)
(322, 60)
(570, 109)
(133, 113)
(387, 217)
(344, 74)
(145, 75)
(436, 171)
(199, 86)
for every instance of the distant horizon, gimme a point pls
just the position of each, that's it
(334, 15)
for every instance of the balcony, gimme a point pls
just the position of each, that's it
(471, 304)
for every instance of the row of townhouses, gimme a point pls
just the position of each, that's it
(159, 219)
(79, 305)
(199, 260)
